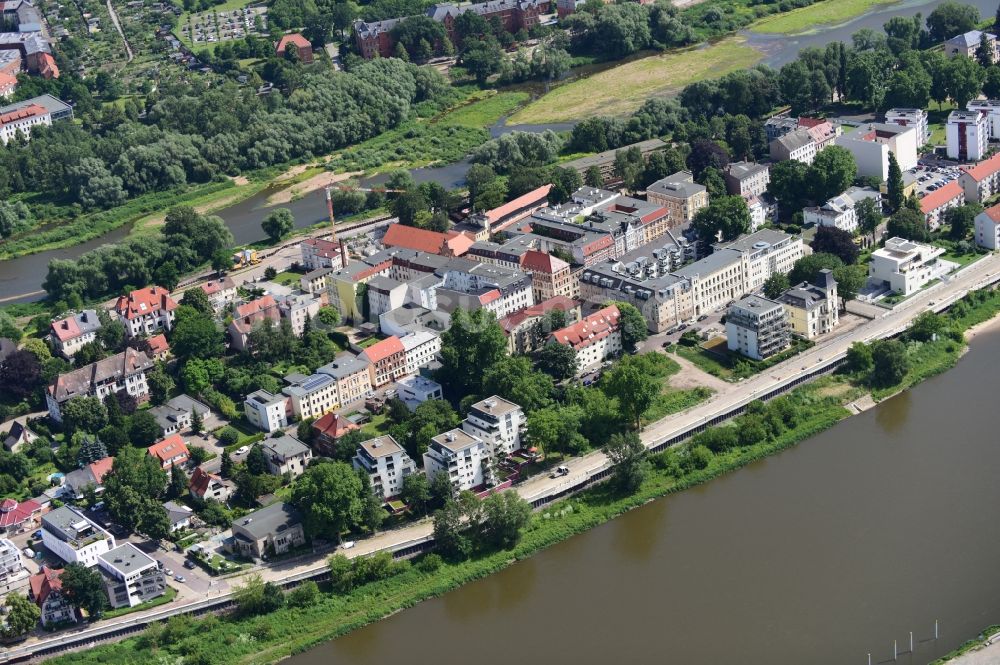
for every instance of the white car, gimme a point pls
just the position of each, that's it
(347, 544)
(243, 450)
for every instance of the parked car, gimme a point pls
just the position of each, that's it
(703, 317)
(168, 572)
(189, 564)
(560, 471)
(28, 552)
(347, 544)
(180, 578)
(243, 450)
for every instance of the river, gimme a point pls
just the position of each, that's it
(821, 555)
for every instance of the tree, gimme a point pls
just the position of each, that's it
(278, 224)
(628, 459)
(9, 329)
(632, 325)
(776, 284)
(178, 482)
(84, 588)
(950, 19)
(143, 429)
(850, 280)
(869, 216)
(372, 512)
(965, 79)
(807, 268)
(838, 242)
(502, 517)
(556, 430)
(473, 343)
(926, 326)
(557, 360)
(907, 223)
(514, 378)
(304, 595)
(728, 217)
(197, 299)
(482, 58)
(256, 597)
(22, 616)
(22, 373)
(985, 50)
(91, 450)
(449, 531)
(891, 363)
(634, 389)
(705, 154)
(84, 414)
(197, 424)
(960, 220)
(226, 466)
(330, 498)
(256, 460)
(789, 184)
(132, 489)
(593, 177)
(833, 171)
(416, 492)
(477, 179)
(195, 335)
(859, 358)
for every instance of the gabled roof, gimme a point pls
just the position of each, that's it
(938, 198)
(422, 240)
(333, 426)
(536, 261)
(73, 326)
(295, 38)
(535, 196)
(81, 381)
(592, 328)
(44, 582)
(201, 481)
(383, 349)
(142, 302)
(13, 513)
(214, 286)
(993, 213)
(984, 169)
(22, 114)
(157, 344)
(169, 448)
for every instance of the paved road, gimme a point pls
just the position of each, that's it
(118, 27)
(938, 296)
(988, 655)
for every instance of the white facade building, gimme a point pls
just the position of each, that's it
(916, 118)
(459, 455)
(872, 142)
(991, 107)
(386, 463)
(987, 228)
(421, 349)
(286, 454)
(840, 212)
(73, 537)
(756, 327)
(297, 308)
(415, 390)
(968, 134)
(131, 576)
(595, 338)
(313, 396)
(22, 121)
(73, 332)
(266, 411)
(498, 423)
(903, 266)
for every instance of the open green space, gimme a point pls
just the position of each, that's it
(816, 16)
(714, 358)
(484, 109)
(167, 597)
(623, 89)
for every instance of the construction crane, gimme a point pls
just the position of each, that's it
(351, 188)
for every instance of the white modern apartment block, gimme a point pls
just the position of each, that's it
(968, 134)
(74, 538)
(415, 390)
(421, 349)
(12, 572)
(498, 423)
(916, 118)
(988, 228)
(840, 212)
(764, 253)
(75, 331)
(312, 396)
(991, 107)
(131, 576)
(386, 463)
(903, 266)
(757, 327)
(872, 142)
(266, 411)
(459, 455)
(384, 295)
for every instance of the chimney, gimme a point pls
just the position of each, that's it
(329, 212)
(343, 255)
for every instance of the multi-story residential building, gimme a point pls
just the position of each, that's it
(327, 430)
(122, 371)
(272, 530)
(298, 308)
(871, 143)
(266, 411)
(353, 376)
(433, 242)
(221, 292)
(916, 118)
(968, 135)
(384, 295)
(13, 575)
(75, 331)
(935, 203)
(131, 576)
(8, 84)
(73, 537)
(747, 179)
(21, 121)
(286, 454)
(146, 311)
(47, 593)
(415, 390)
(987, 228)
(991, 107)
(967, 43)
(386, 463)
(421, 349)
(757, 327)
(461, 456)
(840, 211)
(813, 308)
(312, 396)
(498, 423)
(316, 281)
(595, 338)
(386, 359)
(550, 275)
(680, 195)
(823, 132)
(779, 125)
(797, 144)
(482, 225)
(250, 315)
(981, 181)
(524, 329)
(177, 414)
(204, 486)
(171, 451)
(297, 44)
(903, 266)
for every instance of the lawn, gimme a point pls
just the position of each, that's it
(378, 425)
(287, 278)
(167, 596)
(715, 358)
(623, 89)
(484, 109)
(812, 18)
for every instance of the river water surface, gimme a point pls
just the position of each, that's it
(819, 555)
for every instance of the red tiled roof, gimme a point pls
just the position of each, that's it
(13, 513)
(935, 200)
(422, 240)
(536, 261)
(169, 448)
(993, 213)
(333, 426)
(984, 169)
(216, 285)
(6, 80)
(592, 328)
(383, 349)
(65, 329)
(145, 301)
(807, 122)
(47, 67)
(20, 114)
(294, 38)
(254, 311)
(44, 582)
(200, 480)
(100, 468)
(489, 296)
(512, 321)
(157, 344)
(535, 196)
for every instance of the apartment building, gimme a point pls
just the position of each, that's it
(319, 253)
(498, 423)
(871, 143)
(797, 144)
(433, 242)
(131, 576)
(353, 376)
(968, 135)
(991, 107)
(312, 396)
(21, 121)
(841, 210)
(13, 574)
(987, 228)
(250, 315)
(934, 204)
(415, 390)
(461, 456)
(757, 327)
(265, 411)
(421, 349)
(327, 430)
(903, 266)
(812, 307)
(981, 181)
(73, 537)
(524, 329)
(221, 292)
(146, 311)
(680, 195)
(269, 531)
(916, 118)
(386, 464)
(387, 360)
(122, 371)
(747, 179)
(967, 43)
(171, 451)
(286, 454)
(595, 338)
(71, 333)
(384, 295)
(298, 308)
(550, 275)
(47, 593)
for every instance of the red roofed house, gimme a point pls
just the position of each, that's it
(522, 207)
(319, 253)
(44, 64)
(46, 591)
(298, 44)
(935, 203)
(17, 517)
(524, 328)
(205, 485)
(220, 292)
(981, 181)
(387, 361)
(550, 275)
(92, 474)
(987, 228)
(422, 240)
(8, 84)
(156, 347)
(70, 334)
(145, 311)
(595, 338)
(328, 429)
(170, 451)
(22, 120)
(249, 315)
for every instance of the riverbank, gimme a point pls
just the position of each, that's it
(816, 17)
(816, 407)
(981, 650)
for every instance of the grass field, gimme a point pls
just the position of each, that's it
(621, 90)
(811, 18)
(484, 109)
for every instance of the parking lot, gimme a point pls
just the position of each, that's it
(933, 174)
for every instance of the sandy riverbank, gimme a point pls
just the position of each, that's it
(316, 182)
(985, 327)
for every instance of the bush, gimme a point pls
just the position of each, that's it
(228, 436)
(303, 595)
(429, 563)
